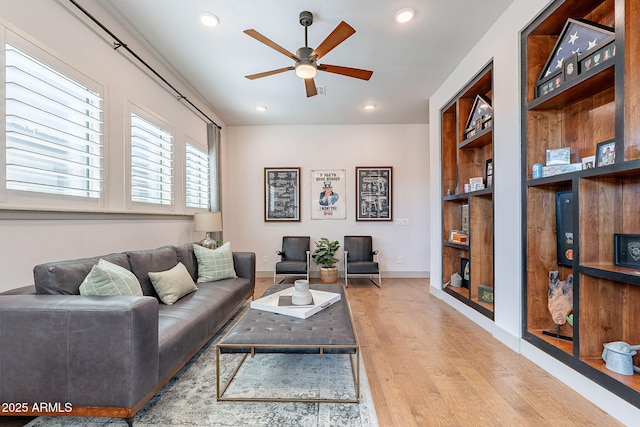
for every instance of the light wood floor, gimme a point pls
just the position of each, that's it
(428, 365)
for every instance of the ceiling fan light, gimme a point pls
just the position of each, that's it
(405, 15)
(306, 70)
(209, 19)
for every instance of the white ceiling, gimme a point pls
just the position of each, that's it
(410, 61)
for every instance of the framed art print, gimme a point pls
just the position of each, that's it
(281, 194)
(328, 190)
(373, 193)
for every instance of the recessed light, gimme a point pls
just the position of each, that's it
(261, 108)
(405, 15)
(209, 19)
(370, 107)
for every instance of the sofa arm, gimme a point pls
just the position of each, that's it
(78, 351)
(245, 266)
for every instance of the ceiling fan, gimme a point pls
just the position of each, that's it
(306, 58)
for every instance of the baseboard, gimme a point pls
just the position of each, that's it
(385, 274)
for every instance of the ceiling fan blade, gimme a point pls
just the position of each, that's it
(346, 71)
(310, 86)
(269, 73)
(256, 35)
(342, 32)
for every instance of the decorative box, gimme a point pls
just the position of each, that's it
(485, 293)
(556, 170)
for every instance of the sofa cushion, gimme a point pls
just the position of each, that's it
(144, 261)
(65, 277)
(188, 258)
(193, 318)
(173, 284)
(214, 264)
(106, 279)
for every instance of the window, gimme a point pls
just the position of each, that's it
(54, 141)
(197, 177)
(151, 162)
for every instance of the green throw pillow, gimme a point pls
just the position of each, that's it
(171, 285)
(214, 264)
(106, 279)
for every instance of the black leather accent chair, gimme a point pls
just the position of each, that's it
(360, 259)
(294, 258)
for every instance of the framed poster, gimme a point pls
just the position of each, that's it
(328, 194)
(281, 194)
(373, 193)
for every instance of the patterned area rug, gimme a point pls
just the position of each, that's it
(189, 398)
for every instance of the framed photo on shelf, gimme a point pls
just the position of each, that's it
(588, 162)
(606, 153)
(328, 190)
(488, 173)
(564, 227)
(373, 193)
(281, 194)
(627, 250)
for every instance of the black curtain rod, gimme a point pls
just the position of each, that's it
(119, 43)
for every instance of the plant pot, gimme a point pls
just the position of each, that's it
(328, 275)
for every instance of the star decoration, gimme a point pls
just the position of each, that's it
(574, 37)
(592, 44)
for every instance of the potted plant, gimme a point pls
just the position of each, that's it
(324, 256)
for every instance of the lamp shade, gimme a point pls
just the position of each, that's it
(208, 221)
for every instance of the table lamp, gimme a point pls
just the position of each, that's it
(210, 222)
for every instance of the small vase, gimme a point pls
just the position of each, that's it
(301, 293)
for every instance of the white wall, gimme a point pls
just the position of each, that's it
(404, 147)
(502, 43)
(31, 238)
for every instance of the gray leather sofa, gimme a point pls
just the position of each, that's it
(107, 356)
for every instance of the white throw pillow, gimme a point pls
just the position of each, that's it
(214, 264)
(106, 279)
(173, 284)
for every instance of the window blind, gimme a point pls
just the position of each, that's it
(151, 162)
(54, 140)
(197, 177)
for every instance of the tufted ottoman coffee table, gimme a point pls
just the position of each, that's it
(329, 331)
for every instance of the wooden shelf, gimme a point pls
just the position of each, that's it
(479, 140)
(564, 345)
(600, 105)
(463, 159)
(582, 88)
(612, 272)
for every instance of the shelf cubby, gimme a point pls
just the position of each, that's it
(464, 158)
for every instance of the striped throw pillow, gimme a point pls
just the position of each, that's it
(214, 264)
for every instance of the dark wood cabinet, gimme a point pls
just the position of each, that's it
(600, 105)
(465, 154)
